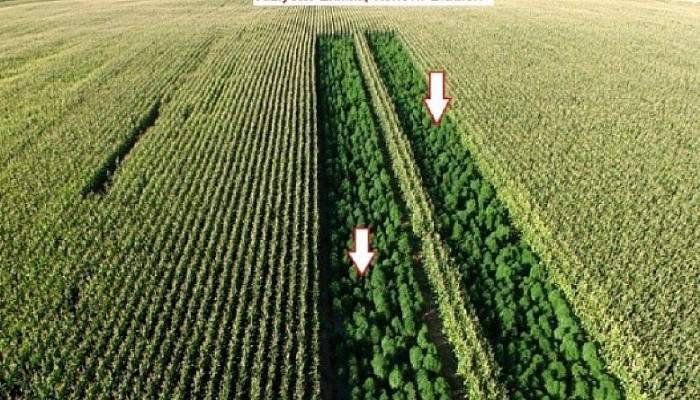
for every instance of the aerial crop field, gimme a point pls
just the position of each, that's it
(183, 183)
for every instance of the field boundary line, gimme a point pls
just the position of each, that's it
(475, 360)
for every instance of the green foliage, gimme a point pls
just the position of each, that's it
(416, 357)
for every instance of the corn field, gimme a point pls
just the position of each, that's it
(179, 182)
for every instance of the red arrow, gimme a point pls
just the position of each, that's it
(361, 255)
(437, 102)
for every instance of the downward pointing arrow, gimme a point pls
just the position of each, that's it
(361, 256)
(437, 102)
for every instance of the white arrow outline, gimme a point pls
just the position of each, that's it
(437, 103)
(361, 255)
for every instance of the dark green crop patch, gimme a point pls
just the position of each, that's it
(380, 347)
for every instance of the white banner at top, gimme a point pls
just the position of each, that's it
(373, 3)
